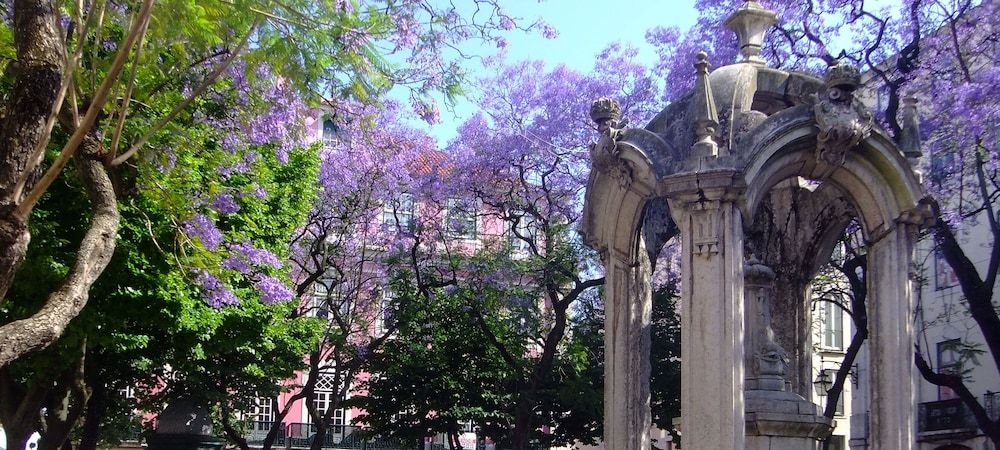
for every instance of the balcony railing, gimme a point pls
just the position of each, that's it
(302, 435)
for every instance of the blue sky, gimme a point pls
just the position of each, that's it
(585, 27)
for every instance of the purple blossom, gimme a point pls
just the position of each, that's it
(428, 110)
(549, 32)
(202, 227)
(256, 256)
(225, 204)
(213, 290)
(344, 5)
(237, 264)
(272, 290)
(506, 23)
(361, 351)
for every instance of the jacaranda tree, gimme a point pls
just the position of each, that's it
(943, 54)
(119, 79)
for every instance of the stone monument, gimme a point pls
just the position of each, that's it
(184, 425)
(760, 161)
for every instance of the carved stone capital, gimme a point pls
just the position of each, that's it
(920, 216)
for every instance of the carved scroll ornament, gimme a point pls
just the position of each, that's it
(842, 120)
(605, 156)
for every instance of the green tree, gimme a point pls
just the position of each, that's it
(117, 80)
(149, 325)
(665, 355)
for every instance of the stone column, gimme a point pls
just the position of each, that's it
(619, 187)
(627, 314)
(891, 330)
(776, 418)
(711, 230)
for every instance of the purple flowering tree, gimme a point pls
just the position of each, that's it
(521, 164)
(108, 87)
(942, 54)
(373, 177)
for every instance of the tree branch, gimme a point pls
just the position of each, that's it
(96, 248)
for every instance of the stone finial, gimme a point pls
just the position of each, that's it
(706, 118)
(909, 139)
(606, 113)
(750, 21)
(842, 76)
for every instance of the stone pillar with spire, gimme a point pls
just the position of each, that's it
(776, 418)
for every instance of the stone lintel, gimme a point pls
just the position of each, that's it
(717, 184)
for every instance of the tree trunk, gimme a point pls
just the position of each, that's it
(37, 73)
(20, 408)
(96, 248)
(525, 413)
(66, 405)
(97, 407)
(227, 425)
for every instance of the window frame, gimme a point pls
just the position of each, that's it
(832, 328)
(471, 219)
(400, 213)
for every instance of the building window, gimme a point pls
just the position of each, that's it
(398, 214)
(326, 389)
(384, 315)
(460, 219)
(331, 132)
(263, 410)
(523, 233)
(944, 275)
(833, 326)
(319, 305)
(949, 361)
(838, 442)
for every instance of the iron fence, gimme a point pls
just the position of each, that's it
(298, 435)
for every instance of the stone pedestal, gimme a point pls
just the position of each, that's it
(776, 418)
(184, 425)
(782, 420)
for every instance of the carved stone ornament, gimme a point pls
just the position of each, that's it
(771, 359)
(842, 120)
(604, 154)
(705, 228)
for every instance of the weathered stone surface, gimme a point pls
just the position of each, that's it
(727, 192)
(793, 232)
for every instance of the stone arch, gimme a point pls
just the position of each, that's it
(616, 198)
(885, 193)
(876, 177)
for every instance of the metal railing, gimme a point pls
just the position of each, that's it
(257, 432)
(302, 435)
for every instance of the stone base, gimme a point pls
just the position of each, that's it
(780, 443)
(781, 420)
